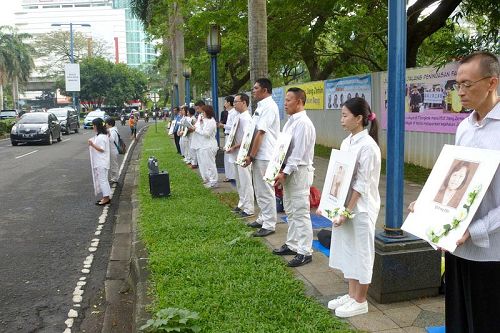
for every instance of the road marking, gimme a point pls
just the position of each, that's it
(66, 140)
(32, 152)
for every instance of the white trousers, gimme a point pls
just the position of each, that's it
(102, 179)
(182, 145)
(229, 168)
(297, 208)
(206, 163)
(266, 198)
(113, 167)
(186, 149)
(194, 156)
(243, 177)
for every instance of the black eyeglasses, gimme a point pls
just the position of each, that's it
(468, 84)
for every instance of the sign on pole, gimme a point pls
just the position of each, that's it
(155, 97)
(72, 76)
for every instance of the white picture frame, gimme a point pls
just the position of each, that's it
(451, 195)
(246, 143)
(337, 182)
(232, 135)
(172, 126)
(279, 154)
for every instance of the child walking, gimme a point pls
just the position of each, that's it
(353, 234)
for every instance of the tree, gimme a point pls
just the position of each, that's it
(257, 39)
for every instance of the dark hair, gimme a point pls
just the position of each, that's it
(457, 167)
(110, 122)
(359, 107)
(299, 93)
(229, 99)
(209, 111)
(244, 97)
(191, 111)
(199, 103)
(488, 62)
(265, 83)
(99, 125)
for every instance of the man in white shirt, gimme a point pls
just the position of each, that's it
(296, 178)
(267, 128)
(243, 176)
(229, 168)
(113, 150)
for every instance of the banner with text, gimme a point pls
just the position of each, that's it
(314, 94)
(432, 104)
(338, 91)
(279, 98)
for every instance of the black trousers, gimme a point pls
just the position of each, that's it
(177, 139)
(472, 295)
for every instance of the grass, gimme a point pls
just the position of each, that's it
(413, 173)
(204, 260)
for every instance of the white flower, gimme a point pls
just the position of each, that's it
(461, 214)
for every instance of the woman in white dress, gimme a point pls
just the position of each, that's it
(353, 234)
(99, 161)
(207, 127)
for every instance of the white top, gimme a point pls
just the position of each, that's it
(301, 150)
(484, 243)
(366, 174)
(113, 138)
(100, 159)
(231, 116)
(206, 130)
(197, 139)
(243, 120)
(267, 119)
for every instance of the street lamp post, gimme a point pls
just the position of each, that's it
(187, 74)
(214, 47)
(71, 54)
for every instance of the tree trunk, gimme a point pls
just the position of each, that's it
(1, 96)
(15, 92)
(179, 51)
(257, 39)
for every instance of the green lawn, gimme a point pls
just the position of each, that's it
(204, 260)
(413, 173)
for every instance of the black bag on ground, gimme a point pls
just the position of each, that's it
(325, 237)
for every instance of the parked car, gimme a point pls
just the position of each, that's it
(87, 122)
(36, 127)
(68, 119)
(9, 114)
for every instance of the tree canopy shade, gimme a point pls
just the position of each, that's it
(105, 83)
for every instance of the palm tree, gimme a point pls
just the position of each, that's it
(257, 39)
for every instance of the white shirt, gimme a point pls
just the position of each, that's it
(197, 138)
(484, 241)
(366, 174)
(231, 115)
(267, 119)
(100, 159)
(242, 120)
(113, 140)
(301, 150)
(206, 129)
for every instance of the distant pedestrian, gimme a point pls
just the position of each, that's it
(132, 123)
(229, 169)
(297, 178)
(99, 161)
(206, 128)
(353, 235)
(177, 126)
(114, 143)
(196, 138)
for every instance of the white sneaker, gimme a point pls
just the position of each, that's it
(351, 309)
(339, 301)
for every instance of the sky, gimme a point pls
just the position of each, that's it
(7, 11)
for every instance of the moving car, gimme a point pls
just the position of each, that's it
(87, 122)
(8, 114)
(68, 119)
(36, 127)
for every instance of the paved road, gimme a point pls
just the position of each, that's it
(47, 223)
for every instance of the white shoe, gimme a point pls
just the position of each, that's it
(351, 309)
(339, 301)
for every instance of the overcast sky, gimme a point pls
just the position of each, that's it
(7, 11)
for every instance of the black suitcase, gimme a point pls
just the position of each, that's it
(159, 184)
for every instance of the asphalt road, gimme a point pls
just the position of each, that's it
(48, 221)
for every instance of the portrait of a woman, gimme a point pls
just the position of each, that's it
(454, 185)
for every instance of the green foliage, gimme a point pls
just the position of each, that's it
(203, 259)
(172, 320)
(6, 126)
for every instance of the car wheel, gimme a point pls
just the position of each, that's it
(14, 143)
(59, 137)
(76, 129)
(49, 142)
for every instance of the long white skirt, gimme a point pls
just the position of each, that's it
(353, 248)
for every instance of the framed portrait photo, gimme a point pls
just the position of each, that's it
(451, 195)
(274, 166)
(246, 143)
(232, 135)
(337, 182)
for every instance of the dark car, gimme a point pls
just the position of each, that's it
(36, 127)
(8, 114)
(68, 119)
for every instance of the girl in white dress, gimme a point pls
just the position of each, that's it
(207, 127)
(353, 234)
(99, 161)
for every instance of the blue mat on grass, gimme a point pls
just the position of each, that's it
(436, 329)
(318, 247)
(318, 221)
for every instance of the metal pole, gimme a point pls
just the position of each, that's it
(188, 93)
(72, 60)
(215, 101)
(156, 117)
(396, 120)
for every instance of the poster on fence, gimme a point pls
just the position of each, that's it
(279, 97)
(340, 90)
(432, 103)
(451, 195)
(314, 94)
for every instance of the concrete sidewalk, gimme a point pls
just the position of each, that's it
(325, 283)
